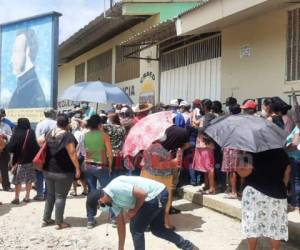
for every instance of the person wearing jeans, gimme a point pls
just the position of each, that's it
(293, 142)
(295, 185)
(5, 133)
(143, 202)
(58, 185)
(98, 160)
(39, 185)
(4, 161)
(94, 173)
(41, 131)
(59, 169)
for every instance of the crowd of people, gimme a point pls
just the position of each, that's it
(85, 146)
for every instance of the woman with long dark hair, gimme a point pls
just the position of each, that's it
(24, 147)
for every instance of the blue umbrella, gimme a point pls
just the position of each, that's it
(97, 92)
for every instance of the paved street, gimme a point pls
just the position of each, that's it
(20, 229)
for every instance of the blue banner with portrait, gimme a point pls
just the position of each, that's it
(28, 63)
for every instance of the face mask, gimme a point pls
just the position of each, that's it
(264, 113)
(227, 110)
(105, 209)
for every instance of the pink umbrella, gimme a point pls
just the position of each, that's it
(146, 131)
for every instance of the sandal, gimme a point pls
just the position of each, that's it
(47, 223)
(207, 192)
(290, 208)
(231, 196)
(62, 226)
(16, 202)
(173, 228)
(26, 200)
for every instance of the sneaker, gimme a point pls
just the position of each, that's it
(91, 224)
(38, 198)
(85, 193)
(113, 223)
(25, 200)
(187, 245)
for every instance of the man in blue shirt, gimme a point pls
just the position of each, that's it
(87, 111)
(5, 120)
(178, 117)
(143, 202)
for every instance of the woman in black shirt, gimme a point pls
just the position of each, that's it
(24, 147)
(264, 202)
(60, 167)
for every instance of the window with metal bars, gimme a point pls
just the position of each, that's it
(99, 68)
(293, 46)
(126, 68)
(79, 72)
(193, 52)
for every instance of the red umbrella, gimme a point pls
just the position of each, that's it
(146, 131)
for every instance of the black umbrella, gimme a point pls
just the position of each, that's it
(246, 133)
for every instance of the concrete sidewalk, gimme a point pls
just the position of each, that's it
(232, 208)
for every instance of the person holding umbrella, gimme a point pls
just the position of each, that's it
(264, 202)
(88, 111)
(270, 110)
(293, 141)
(266, 171)
(160, 165)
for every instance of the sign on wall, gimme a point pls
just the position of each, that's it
(147, 89)
(141, 90)
(28, 65)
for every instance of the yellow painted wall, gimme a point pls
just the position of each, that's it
(66, 74)
(261, 74)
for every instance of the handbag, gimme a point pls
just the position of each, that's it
(15, 167)
(40, 158)
(2, 143)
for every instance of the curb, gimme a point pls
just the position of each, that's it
(232, 208)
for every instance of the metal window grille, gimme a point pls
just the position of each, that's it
(99, 68)
(79, 72)
(293, 46)
(126, 68)
(196, 51)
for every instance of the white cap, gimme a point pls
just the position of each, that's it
(174, 102)
(135, 108)
(162, 137)
(184, 104)
(124, 110)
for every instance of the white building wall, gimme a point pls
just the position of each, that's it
(198, 80)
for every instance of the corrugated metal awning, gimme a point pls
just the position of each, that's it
(153, 35)
(98, 31)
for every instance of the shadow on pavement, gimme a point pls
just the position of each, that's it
(82, 222)
(187, 207)
(79, 197)
(187, 222)
(6, 207)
